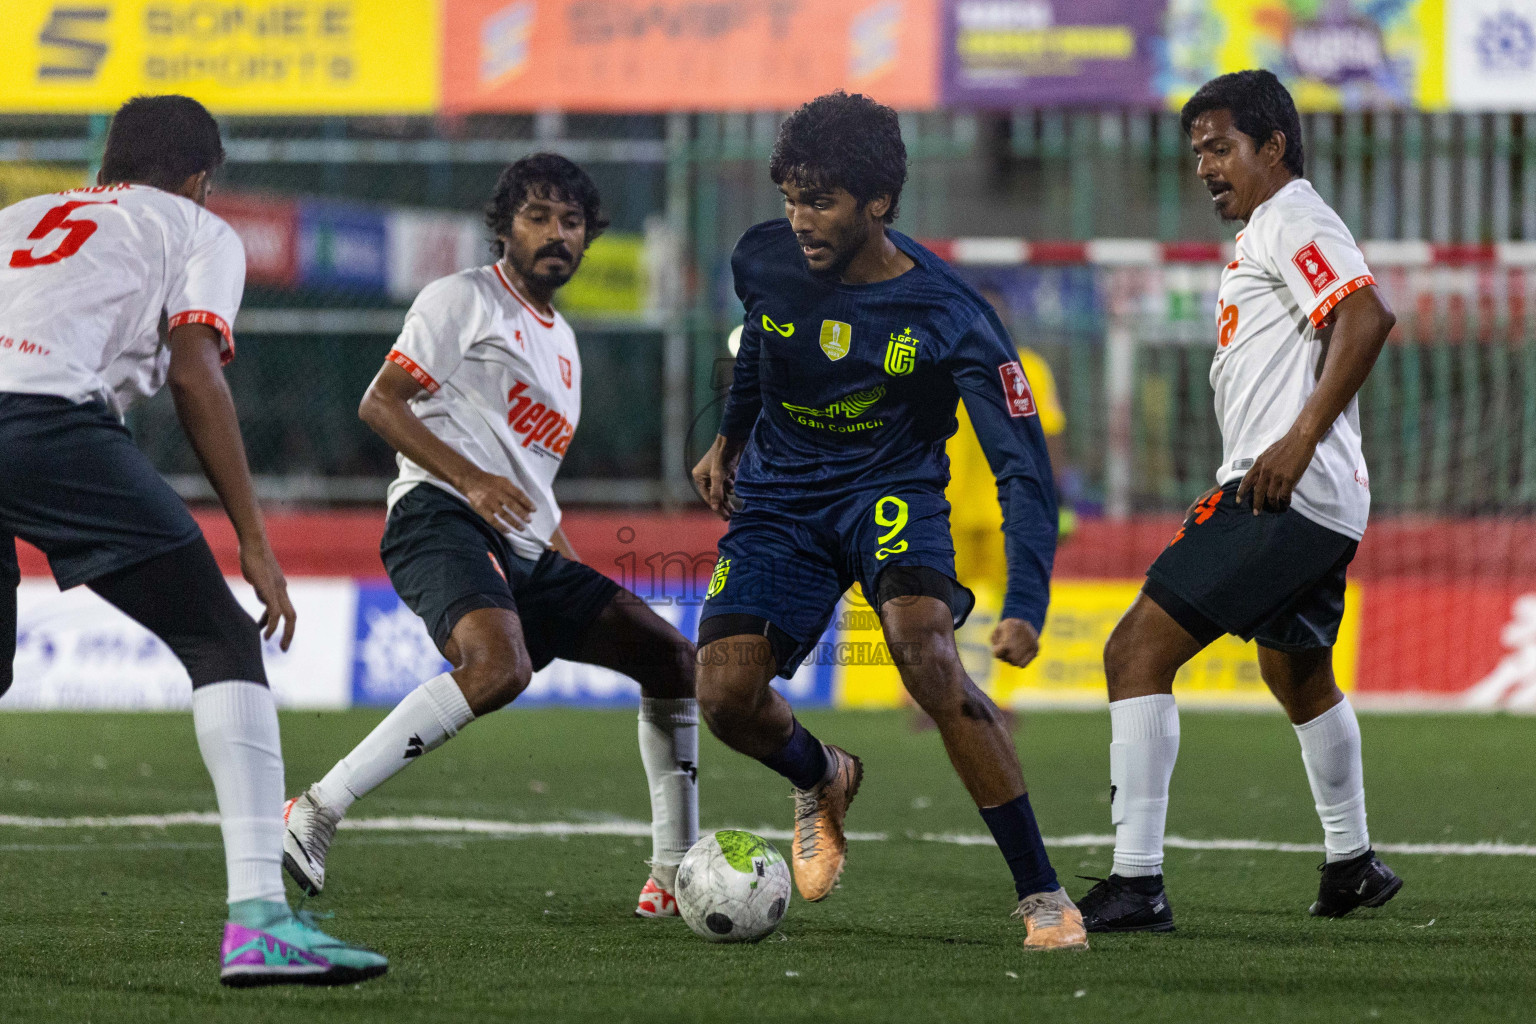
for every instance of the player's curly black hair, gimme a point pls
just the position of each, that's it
(161, 141)
(1260, 106)
(843, 141)
(546, 176)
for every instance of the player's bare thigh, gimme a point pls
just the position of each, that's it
(629, 637)
(490, 659)
(1145, 650)
(920, 633)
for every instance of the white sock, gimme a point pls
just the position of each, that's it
(236, 724)
(1330, 748)
(428, 717)
(1144, 744)
(669, 748)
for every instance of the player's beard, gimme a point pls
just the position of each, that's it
(846, 247)
(524, 265)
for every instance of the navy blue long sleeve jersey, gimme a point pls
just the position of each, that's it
(841, 388)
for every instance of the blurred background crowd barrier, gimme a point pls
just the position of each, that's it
(364, 136)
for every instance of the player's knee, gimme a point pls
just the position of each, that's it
(493, 675)
(227, 647)
(727, 691)
(675, 664)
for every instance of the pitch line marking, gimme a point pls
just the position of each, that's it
(427, 823)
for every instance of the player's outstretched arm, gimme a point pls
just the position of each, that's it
(1002, 409)
(1360, 327)
(716, 473)
(207, 414)
(386, 408)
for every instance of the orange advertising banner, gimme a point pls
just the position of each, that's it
(655, 55)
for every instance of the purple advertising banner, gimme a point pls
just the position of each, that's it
(1036, 53)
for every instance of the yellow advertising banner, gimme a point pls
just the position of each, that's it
(235, 56)
(1070, 668)
(23, 181)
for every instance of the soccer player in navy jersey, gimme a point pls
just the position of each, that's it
(857, 345)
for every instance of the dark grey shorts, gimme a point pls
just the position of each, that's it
(1276, 577)
(73, 483)
(445, 562)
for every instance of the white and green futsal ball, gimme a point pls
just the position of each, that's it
(732, 887)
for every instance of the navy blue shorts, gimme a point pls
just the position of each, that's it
(73, 484)
(790, 566)
(445, 562)
(1276, 577)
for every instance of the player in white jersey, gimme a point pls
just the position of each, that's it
(480, 396)
(107, 293)
(1299, 323)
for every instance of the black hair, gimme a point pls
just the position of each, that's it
(1260, 106)
(843, 141)
(161, 141)
(542, 176)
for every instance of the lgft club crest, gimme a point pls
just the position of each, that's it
(901, 354)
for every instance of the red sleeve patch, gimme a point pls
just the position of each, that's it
(1021, 400)
(1309, 260)
(410, 366)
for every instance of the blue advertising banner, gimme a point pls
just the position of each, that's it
(393, 654)
(342, 246)
(1042, 53)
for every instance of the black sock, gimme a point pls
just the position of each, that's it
(1013, 826)
(803, 761)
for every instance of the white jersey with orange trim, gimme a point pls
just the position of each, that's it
(503, 389)
(1295, 262)
(92, 281)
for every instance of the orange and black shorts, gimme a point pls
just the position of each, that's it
(1275, 577)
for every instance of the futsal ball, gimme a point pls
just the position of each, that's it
(732, 887)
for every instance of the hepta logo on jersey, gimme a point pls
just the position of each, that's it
(1021, 400)
(537, 424)
(1309, 260)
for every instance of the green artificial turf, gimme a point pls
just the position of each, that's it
(122, 924)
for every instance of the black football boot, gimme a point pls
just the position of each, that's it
(1362, 881)
(1119, 904)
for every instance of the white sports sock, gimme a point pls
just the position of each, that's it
(669, 748)
(1330, 748)
(428, 717)
(1144, 744)
(236, 724)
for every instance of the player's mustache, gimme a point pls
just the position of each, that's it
(555, 249)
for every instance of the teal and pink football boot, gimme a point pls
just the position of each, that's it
(271, 945)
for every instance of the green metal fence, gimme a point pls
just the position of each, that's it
(1450, 416)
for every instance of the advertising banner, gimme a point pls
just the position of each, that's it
(23, 181)
(270, 230)
(1492, 54)
(651, 55)
(75, 651)
(424, 246)
(1070, 668)
(1334, 55)
(236, 56)
(342, 246)
(1038, 53)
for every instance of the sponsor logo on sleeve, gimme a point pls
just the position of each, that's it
(1309, 260)
(1021, 400)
